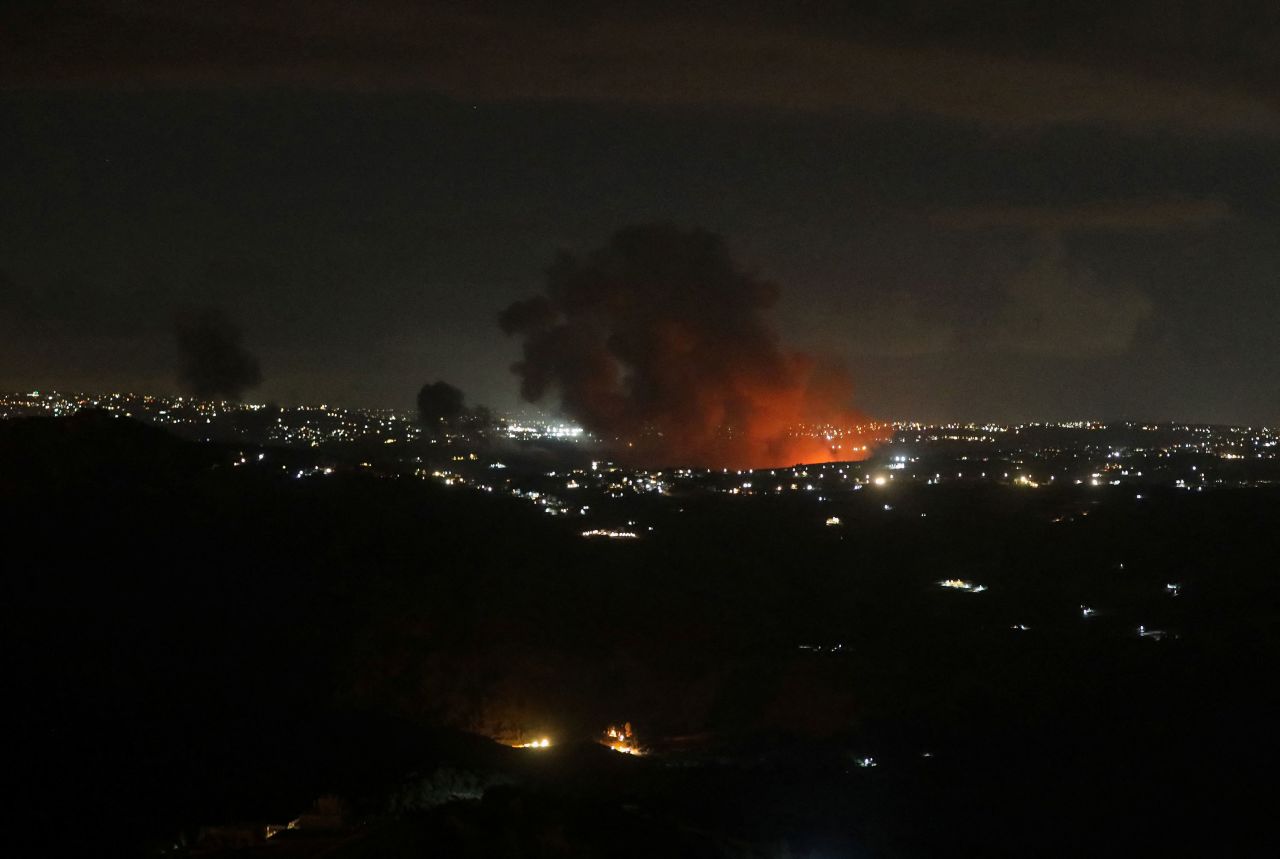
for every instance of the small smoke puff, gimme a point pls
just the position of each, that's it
(660, 341)
(214, 363)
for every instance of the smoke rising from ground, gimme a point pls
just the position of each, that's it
(660, 342)
(439, 402)
(214, 365)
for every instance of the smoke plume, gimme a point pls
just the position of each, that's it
(659, 343)
(214, 364)
(440, 402)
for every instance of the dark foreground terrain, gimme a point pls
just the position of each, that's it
(200, 647)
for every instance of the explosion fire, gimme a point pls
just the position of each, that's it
(659, 344)
(621, 739)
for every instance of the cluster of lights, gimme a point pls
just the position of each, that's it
(558, 432)
(962, 585)
(610, 534)
(299, 425)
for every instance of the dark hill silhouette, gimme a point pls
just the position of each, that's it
(198, 642)
(93, 448)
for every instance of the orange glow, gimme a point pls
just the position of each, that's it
(662, 346)
(796, 414)
(621, 739)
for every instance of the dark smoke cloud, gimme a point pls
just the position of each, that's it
(660, 341)
(214, 365)
(439, 402)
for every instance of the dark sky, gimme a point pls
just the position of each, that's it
(1005, 210)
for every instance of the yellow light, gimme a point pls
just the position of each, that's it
(621, 740)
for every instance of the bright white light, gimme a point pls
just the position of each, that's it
(962, 585)
(613, 535)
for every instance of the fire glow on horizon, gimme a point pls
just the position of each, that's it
(660, 344)
(621, 739)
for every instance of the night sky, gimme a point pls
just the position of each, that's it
(1008, 211)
